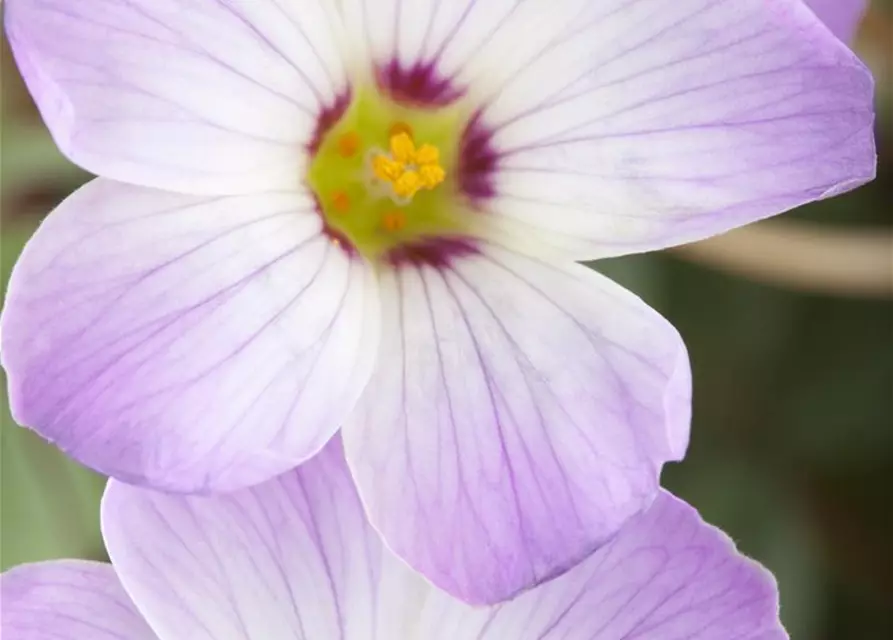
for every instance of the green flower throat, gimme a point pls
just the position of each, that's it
(385, 175)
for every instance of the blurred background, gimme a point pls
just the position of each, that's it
(790, 328)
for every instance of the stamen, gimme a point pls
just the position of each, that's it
(402, 148)
(394, 221)
(348, 144)
(432, 175)
(427, 154)
(386, 169)
(407, 168)
(400, 127)
(407, 185)
(376, 169)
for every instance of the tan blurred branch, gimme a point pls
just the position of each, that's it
(804, 256)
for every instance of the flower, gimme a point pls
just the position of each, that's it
(364, 215)
(295, 558)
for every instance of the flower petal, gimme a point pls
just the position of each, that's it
(667, 575)
(295, 559)
(641, 125)
(68, 599)
(218, 97)
(841, 16)
(450, 34)
(519, 413)
(291, 559)
(185, 342)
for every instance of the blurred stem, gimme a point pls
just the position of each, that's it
(803, 256)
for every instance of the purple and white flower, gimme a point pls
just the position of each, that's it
(364, 215)
(295, 558)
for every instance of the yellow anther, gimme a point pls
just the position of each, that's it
(386, 169)
(402, 148)
(348, 144)
(341, 201)
(408, 169)
(394, 221)
(407, 185)
(432, 175)
(427, 154)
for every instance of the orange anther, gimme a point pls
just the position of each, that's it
(341, 202)
(399, 127)
(394, 221)
(348, 144)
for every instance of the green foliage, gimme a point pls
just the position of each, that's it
(48, 503)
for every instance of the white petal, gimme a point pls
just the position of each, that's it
(185, 342)
(295, 559)
(628, 125)
(68, 599)
(518, 415)
(645, 124)
(210, 96)
(291, 559)
(667, 576)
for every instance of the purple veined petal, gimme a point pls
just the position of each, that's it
(841, 16)
(436, 52)
(213, 96)
(631, 125)
(641, 125)
(295, 559)
(667, 576)
(442, 37)
(186, 342)
(519, 414)
(291, 559)
(68, 599)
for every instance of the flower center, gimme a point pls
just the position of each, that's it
(408, 170)
(385, 175)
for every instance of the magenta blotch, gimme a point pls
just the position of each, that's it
(433, 252)
(478, 161)
(328, 117)
(418, 85)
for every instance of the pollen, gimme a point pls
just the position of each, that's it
(348, 144)
(431, 175)
(408, 169)
(427, 154)
(402, 148)
(387, 169)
